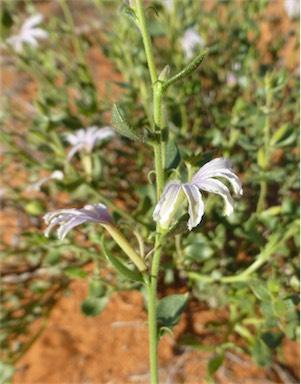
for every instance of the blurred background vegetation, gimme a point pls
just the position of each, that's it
(242, 103)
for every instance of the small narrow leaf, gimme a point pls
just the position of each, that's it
(173, 156)
(279, 134)
(261, 160)
(215, 363)
(123, 127)
(121, 268)
(187, 70)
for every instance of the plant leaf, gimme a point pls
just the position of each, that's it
(121, 268)
(123, 127)
(170, 309)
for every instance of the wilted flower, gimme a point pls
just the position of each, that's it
(175, 192)
(56, 175)
(84, 139)
(67, 219)
(191, 41)
(292, 8)
(28, 34)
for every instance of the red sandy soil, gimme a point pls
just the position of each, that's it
(113, 348)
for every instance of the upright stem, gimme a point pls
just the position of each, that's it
(146, 41)
(157, 105)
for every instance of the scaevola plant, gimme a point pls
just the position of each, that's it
(171, 194)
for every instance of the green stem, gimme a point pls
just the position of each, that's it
(146, 41)
(126, 247)
(157, 105)
(152, 313)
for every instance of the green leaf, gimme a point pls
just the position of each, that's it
(170, 309)
(261, 353)
(35, 207)
(6, 19)
(260, 290)
(261, 160)
(272, 339)
(94, 306)
(173, 156)
(215, 363)
(123, 127)
(96, 288)
(279, 134)
(121, 268)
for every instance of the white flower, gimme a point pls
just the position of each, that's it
(292, 8)
(169, 5)
(85, 139)
(67, 219)
(28, 34)
(175, 192)
(191, 41)
(56, 175)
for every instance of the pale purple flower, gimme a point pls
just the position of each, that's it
(28, 33)
(84, 140)
(67, 219)
(292, 8)
(56, 175)
(191, 40)
(175, 192)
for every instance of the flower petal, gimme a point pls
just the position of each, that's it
(167, 202)
(216, 186)
(68, 225)
(195, 204)
(210, 168)
(219, 167)
(39, 33)
(67, 219)
(32, 21)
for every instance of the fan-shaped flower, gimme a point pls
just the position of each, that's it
(28, 33)
(190, 42)
(67, 219)
(175, 192)
(84, 140)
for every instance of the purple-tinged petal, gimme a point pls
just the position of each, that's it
(216, 186)
(195, 204)
(218, 168)
(67, 219)
(68, 225)
(73, 151)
